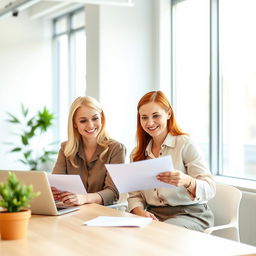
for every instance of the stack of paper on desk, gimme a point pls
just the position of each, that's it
(106, 221)
(140, 175)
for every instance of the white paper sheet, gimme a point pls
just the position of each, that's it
(67, 182)
(139, 175)
(107, 221)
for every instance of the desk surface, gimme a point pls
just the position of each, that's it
(67, 236)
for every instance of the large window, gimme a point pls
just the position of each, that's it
(238, 82)
(214, 80)
(70, 64)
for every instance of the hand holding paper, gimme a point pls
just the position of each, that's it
(67, 182)
(140, 175)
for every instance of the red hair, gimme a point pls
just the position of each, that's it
(142, 137)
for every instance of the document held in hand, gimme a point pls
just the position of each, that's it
(140, 175)
(67, 182)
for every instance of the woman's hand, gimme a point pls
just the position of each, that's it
(176, 178)
(67, 197)
(72, 198)
(56, 193)
(139, 211)
(76, 199)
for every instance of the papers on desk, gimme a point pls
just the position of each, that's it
(67, 182)
(106, 221)
(140, 175)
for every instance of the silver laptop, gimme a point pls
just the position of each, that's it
(43, 204)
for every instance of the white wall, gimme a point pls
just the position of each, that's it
(126, 60)
(25, 75)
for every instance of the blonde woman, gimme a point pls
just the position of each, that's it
(86, 152)
(184, 203)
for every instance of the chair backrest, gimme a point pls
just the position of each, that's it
(225, 204)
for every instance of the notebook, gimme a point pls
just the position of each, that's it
(44, 204)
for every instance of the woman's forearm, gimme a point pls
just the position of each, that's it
(93, 198)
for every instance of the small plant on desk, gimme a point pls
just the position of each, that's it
(15, 198)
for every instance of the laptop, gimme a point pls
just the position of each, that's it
(44, 204)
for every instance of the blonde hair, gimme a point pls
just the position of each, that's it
(74, 137)
(142, 137)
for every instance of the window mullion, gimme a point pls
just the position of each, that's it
(172, 91)
(215, 101)
(70, 61)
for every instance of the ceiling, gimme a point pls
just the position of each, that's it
(50, 8)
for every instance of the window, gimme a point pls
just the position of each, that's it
(238, 82)
(214, 77)
(70, 64)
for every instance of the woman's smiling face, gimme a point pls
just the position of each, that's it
(153, 119)
(87, 121)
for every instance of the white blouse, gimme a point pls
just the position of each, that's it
(186, 158)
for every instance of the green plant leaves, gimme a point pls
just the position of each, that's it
(13, 119)
(30, 121)
(16, 149)
(30, 128)
(45, 119)
(14, 195)
(24, 139)
(24, 110)
(47, 156)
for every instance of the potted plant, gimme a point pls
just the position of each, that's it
(34, 153)
(14, 199)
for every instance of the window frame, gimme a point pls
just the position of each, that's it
(70, 32)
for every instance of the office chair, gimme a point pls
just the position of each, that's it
(225, 207)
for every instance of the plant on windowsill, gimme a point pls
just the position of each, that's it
(14, 199)
(32, 128)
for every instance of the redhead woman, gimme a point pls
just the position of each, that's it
(86, 152)
(191, 183)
